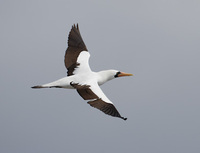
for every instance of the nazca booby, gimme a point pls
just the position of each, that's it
(81, 78)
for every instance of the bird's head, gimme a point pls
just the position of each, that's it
(107, 75)
(111, 74)
(121, 74)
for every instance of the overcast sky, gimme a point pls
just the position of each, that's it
(158, 41)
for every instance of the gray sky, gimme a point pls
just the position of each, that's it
(157, 40)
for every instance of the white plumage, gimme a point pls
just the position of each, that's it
(81, 78)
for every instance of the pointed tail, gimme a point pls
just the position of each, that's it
(37, 87)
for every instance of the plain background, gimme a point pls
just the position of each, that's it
(158, 41)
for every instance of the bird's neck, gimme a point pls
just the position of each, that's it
(104, 76)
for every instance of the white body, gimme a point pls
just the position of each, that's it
(84, 76)
(98, 77)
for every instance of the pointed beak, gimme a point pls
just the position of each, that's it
(124, 74)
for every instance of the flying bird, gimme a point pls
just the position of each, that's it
(81, 78)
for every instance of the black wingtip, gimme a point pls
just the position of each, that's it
(124, 118)
(75, 26)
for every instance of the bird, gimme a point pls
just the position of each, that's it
(81, 78)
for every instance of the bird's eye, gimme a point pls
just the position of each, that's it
(116, 75)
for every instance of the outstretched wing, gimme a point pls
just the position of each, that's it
(97, 98)
(75, 47)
